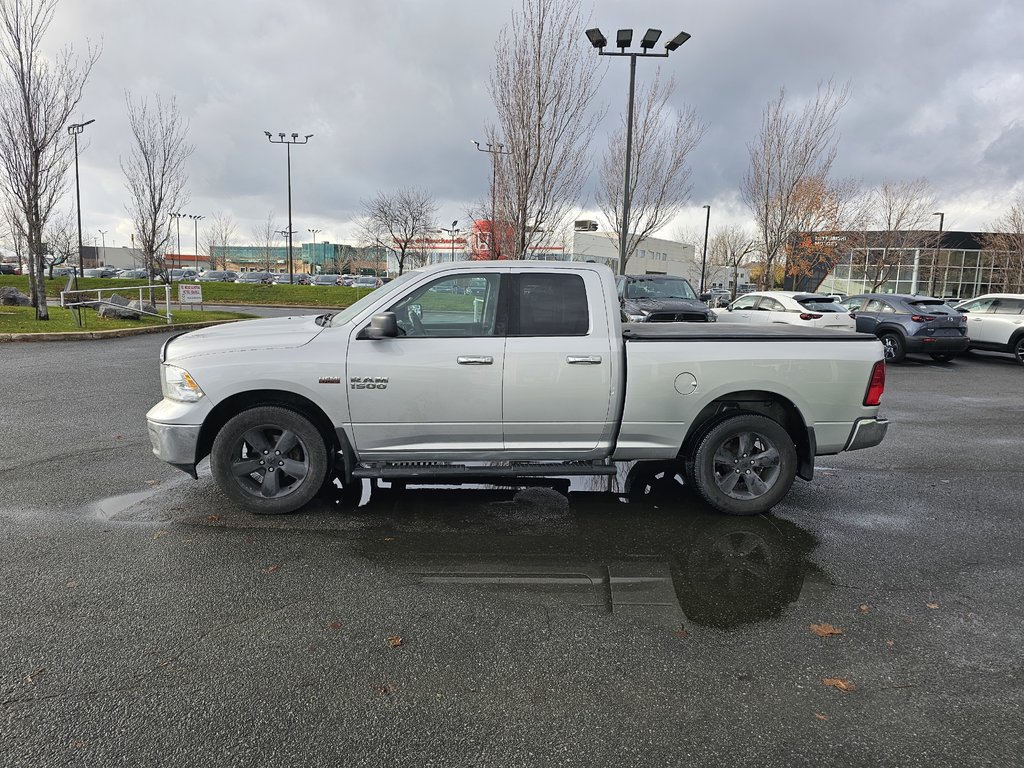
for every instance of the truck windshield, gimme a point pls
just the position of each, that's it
(371, 298)
(659, 288)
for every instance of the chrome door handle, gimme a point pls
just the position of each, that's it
(476, 360)
(583, 359)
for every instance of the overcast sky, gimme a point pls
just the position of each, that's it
(394, 92)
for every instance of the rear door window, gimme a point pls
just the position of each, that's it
(1008, 306)
(768, 304)
(877, 305)
(550, 304)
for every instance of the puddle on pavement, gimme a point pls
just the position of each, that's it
(667, 559)
(122, 507)
(642, 546)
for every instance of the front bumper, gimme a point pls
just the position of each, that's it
(866, 433)
(175, 444)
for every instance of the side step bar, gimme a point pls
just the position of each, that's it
(482, 474)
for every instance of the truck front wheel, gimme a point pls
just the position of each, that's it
(269, 460)
(744, 465)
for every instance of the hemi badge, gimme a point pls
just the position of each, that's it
(330, 380)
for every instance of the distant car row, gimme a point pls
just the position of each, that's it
(905, 324)
(226, 276)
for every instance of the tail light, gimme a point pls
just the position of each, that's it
(809, 316)
(876, 384)
(922, 318)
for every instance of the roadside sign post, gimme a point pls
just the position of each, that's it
(190, 294)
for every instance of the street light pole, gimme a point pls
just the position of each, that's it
(704, 258)
(103, 252)
(288, 234)
(75, 129)
(493, 150)
(935, 254)
(314, 232)
(177, 223)
(451, 236)
(195, 223)
(288, 141)
(623, 39)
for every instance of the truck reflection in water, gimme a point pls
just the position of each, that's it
(661, 555)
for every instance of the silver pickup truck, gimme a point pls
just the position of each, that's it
(489, 370)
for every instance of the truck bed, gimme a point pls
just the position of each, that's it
(735, 332)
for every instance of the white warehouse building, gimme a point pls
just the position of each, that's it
(653, 255)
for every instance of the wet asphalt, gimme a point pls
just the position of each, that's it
(145, 621)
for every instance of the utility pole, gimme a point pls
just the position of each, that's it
(494, 150)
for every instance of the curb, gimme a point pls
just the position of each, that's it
(112, 334)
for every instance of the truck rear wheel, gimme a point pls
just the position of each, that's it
(744, 465)
(269, 460)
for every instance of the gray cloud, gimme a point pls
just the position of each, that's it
(394, 91)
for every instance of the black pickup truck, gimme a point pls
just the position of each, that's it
(661, 299)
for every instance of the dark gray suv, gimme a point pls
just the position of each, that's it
(907, 324)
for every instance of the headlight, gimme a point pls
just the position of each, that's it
(179, 385)
(637, 318)
(712, 316)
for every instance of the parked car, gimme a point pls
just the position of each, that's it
(716, 297)
(255, 277)
(367, 281)
(177, 275)
(326, 280)
(907, 324)
(812, 310)
(9, 269)
(661, 299)
(995, 323)
(217, 276)
(100, 272)
(133, 274)
(347, 279)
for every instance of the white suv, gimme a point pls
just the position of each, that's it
(995, 322)
(814, 310)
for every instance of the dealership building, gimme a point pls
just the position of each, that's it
(948, 264)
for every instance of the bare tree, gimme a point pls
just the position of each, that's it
(399, 221)
(219, 234)
(896, 212)
(728, 248)
(265, 236)
(659, 183)
(823, 210)
(1005, 243)
(543, 85)
(155, 172)
(789, 150)
(62, 238)
(38, 94)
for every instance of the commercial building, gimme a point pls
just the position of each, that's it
(653, 256)
(953, 264)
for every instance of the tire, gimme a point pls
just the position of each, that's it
(895, 349)
(943, 357)
(269, 460)
(744, 465)
(1018, 349)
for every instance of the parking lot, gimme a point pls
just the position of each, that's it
(874, 618)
